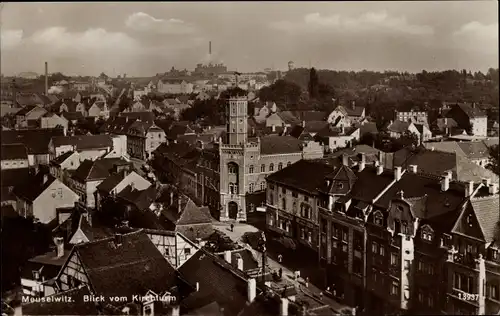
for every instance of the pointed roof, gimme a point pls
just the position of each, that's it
(62, 158)
(486, 210)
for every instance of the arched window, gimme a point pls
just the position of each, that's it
(378, 218)
(280, 166)
(250, 169)
(263, 168)
(251, 187)
(271, 167)
(232, 168)
(288, 164)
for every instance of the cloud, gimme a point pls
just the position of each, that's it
(477, 36)
(144, 22)
(60, 40)
(10, 39)
(368, 22)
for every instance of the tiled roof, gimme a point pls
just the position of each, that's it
(288, 118)
(72, 116)
(14, 177)
(141, 199)
(471, 111)
(273, 144)
(293, 175)
(398, 126)
(351, 111)
(474, 150)
(60, 159)
(25, 110)
(35, 140)
(111, 182)
(97, 170)
(144, 116)
(249, 261)
(447, 146)
(84, 141)
(59, 305)
(30, 189)
(369, 184)
(330, 131)
(487, 213)
(443, 123)
(7, 211)
(218, 282)
(14, 151)
(131, 265)
(310, 116)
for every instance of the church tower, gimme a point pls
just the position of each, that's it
(238, 157)
(237, 120)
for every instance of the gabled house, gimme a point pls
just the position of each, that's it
(475, 151)
(39, 196)
(334, 137)
(90, 174)
(99, 109)
(70, 160)
(282, 119)
(115, 183)
(346, 115)
(470, 118)
(424, 133)
(52, 120)
(262, 112)
(29, 113)
(396, 129)
(105, 266)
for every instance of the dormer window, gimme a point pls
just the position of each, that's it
(427, 234)
(378, 218)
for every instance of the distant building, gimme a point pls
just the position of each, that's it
(174, 86)
(210, 69)
(346, 115)
(470, 116)
(417, 117)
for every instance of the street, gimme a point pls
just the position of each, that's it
(287, 266)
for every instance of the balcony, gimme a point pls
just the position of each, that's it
(465, 259)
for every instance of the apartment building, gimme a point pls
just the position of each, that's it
(393, 241)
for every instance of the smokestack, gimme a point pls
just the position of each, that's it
(210, 48)
(469, 189)
(46, 78)
(227, 256)
(59, 241)
(445, 183)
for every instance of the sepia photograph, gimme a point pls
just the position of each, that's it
(250, 158)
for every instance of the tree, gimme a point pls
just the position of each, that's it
(313, 87)
(282, 92)
(493, 165)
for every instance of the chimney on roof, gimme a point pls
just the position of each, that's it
(493, 188)
(486, 182)
(445, 183)
(397, 173)
(179, 203)
(342, 129)
(45, 178)
(171, 197)
(59, 242)
(413, 168)
(46, 78)
(239, 262)
(118, 239)
(303, 124)
(284, 307)
(469, 189)
(251, 289)
(473, 105)
(345, 160)
(362, 162)
(353, 104)
(197, 286)
(380, 169)
(273, 128)
(227, 256)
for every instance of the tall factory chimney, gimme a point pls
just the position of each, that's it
(210, 48)
(46, 78)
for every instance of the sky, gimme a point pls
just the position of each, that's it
(142, 39)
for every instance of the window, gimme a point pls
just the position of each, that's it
(309, 237)
(295, 194)
(271, 186)
(493, 291)
(271, 199)
(306, 198)
(251, 187)
(357, 266)
(271, 167)
(344, 248)
(147, 309)
(288, 164)
(294, 207)
(394, 288)
(262, 185)
(262, 168)
(407, 264)
(250, 169)
(302, 233)
(187, 251)
(374, 247)
(340, 185)
(427, 234)
(345, 234)
(381, 250)
(378, 218)
(405, 228)
(394, 259)
(430, 301)
(280, 166)
(283, 203)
